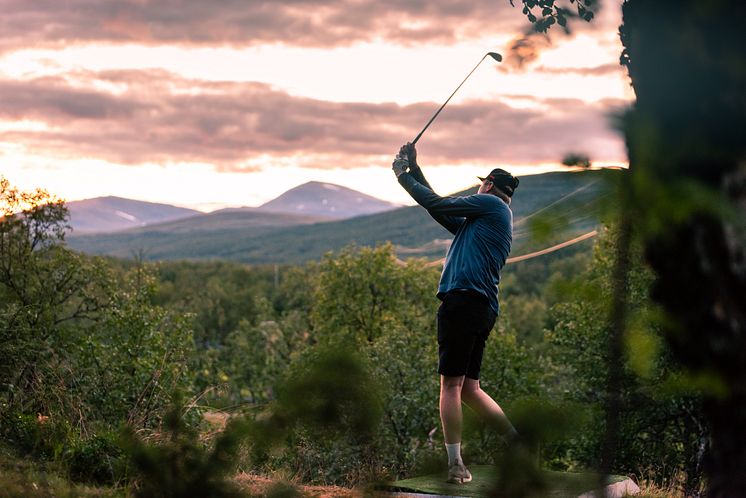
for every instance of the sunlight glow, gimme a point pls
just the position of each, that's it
(579, 67)
(199, 186)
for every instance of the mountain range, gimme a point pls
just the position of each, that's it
(315, 201)
(561, 204)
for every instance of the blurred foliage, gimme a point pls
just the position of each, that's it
(364, 301)
(179, 465)
(323, 423)
(666, 426)
(688, 193)
(577, 159)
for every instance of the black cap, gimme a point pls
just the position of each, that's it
(502, 180)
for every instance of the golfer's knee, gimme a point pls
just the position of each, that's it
(450, 390)
(451, 384)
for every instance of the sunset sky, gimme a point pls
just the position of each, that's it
(207, 104)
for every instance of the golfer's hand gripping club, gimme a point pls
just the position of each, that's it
(409, 152)
(400, 165)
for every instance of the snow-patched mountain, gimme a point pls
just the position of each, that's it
(326, 199)
(112, 214)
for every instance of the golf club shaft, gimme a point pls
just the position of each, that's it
(449, 98)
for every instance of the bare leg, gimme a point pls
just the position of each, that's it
(484, 406)
(451, 416)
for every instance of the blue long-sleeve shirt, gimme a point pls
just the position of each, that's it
(482, 225)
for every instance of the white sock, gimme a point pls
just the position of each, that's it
(454, 453)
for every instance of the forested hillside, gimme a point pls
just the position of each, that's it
(558, 204)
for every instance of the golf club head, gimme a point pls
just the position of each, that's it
(496, 56)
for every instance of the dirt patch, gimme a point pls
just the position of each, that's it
(258, 485)
(216, 418)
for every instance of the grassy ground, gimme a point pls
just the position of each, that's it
(17, 480)
(22, 479)
(648, 490)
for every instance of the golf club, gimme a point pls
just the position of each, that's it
(494, 55)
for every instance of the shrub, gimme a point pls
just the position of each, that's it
(97, 459)
(37, 436)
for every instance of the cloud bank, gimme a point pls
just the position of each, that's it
(139, 116)
(303, 23)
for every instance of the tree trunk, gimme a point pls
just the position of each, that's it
(686, 135)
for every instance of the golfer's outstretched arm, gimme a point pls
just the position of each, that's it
(418, 175)
(450, 223)
(462, 207)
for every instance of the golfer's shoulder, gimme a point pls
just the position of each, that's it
(493, 203)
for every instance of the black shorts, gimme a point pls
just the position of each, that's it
(465, 320)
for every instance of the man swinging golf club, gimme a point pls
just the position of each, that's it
(482, 225)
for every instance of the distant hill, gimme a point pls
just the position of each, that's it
(326, 199)
(562, 201)
(320, 201)
(112, 214)
(207, 236)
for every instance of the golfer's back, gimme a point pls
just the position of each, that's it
(479, 249)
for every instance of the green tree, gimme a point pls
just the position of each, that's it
(47, 296)
(254, 357)
(136, 356)
(367, 300)
(219, 294)
(363, 293)
(79, 342)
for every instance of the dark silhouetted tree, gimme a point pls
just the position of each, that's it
(686, 196)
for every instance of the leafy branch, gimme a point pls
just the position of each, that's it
(543, 14)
